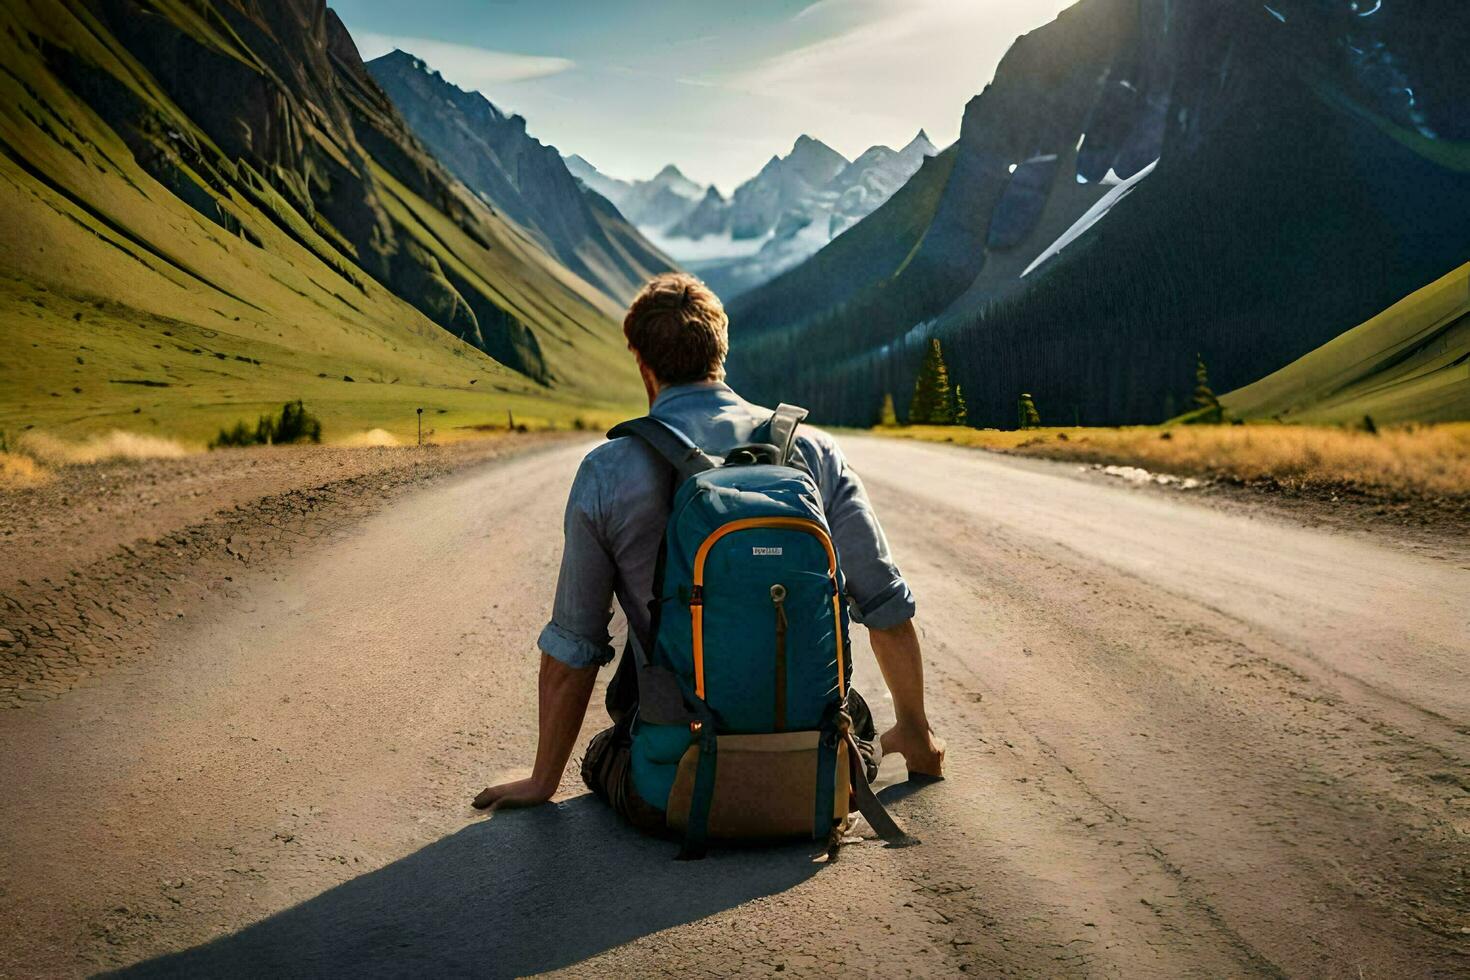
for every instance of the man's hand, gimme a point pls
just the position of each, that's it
(897, 650)
(562, 694)
(922, 750)
(521, 792)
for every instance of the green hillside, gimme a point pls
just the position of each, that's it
(195, 227)
(1410, 362)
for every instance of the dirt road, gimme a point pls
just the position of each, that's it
(1184, 741)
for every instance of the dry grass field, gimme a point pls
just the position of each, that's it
(1415, 460)
(35, 458)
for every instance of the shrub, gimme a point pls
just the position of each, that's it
(1206, 405)
(1026, 415)
(958, 409)
(887, 414)
(293, 424)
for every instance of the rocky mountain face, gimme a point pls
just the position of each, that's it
(793, 206)
(610, 188)
(711, 216)
(518, 175)
(262, 120)
(785, 185)
(652, 205)
(872, 178)
(1141, 183)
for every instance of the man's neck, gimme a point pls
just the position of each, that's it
(653, 387)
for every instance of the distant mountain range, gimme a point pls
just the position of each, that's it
(650, 204)
(791, 208)
(1145, 182)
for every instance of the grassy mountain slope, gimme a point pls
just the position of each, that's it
(192, 228)
(1410, 362)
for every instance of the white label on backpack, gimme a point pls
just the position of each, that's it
(760, 551)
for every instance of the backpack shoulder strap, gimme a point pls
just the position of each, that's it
(685, 457)
(782, 428)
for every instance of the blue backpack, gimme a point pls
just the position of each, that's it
(741, 729)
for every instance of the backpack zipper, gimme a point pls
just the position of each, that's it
(778, 599)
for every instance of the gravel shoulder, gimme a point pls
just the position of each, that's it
(96, 558)
(1409, 484)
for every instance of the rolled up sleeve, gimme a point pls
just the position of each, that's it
(577, 634)
(878, 596)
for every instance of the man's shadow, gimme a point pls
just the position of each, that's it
(523, 892)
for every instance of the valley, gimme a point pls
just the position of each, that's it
(1154, 360)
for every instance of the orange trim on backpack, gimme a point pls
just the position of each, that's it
(696, 609)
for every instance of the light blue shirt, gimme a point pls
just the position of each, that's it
(619, 505)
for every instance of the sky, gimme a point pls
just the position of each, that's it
(715, 86)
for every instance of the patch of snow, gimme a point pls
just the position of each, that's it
(1093, 216)
(1130, 473)
(1139, 476)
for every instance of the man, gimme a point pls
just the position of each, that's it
(614, 526)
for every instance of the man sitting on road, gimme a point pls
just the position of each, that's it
(615, 520)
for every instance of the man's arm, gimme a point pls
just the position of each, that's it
(885, 606)
(564, 692)
(573, 645)
(897, 651)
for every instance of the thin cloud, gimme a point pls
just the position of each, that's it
(466, 66)
(888, 58)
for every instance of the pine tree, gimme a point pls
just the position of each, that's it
(1204, 396)
(959, 411)
(931, 402)
(887, 414)
(1026, 415)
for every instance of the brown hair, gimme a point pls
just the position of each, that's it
(678, 326)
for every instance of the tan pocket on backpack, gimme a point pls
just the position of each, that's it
(765, 786)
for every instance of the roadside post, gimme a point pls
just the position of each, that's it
(421, 427)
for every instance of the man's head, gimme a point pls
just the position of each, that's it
(678, 330)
